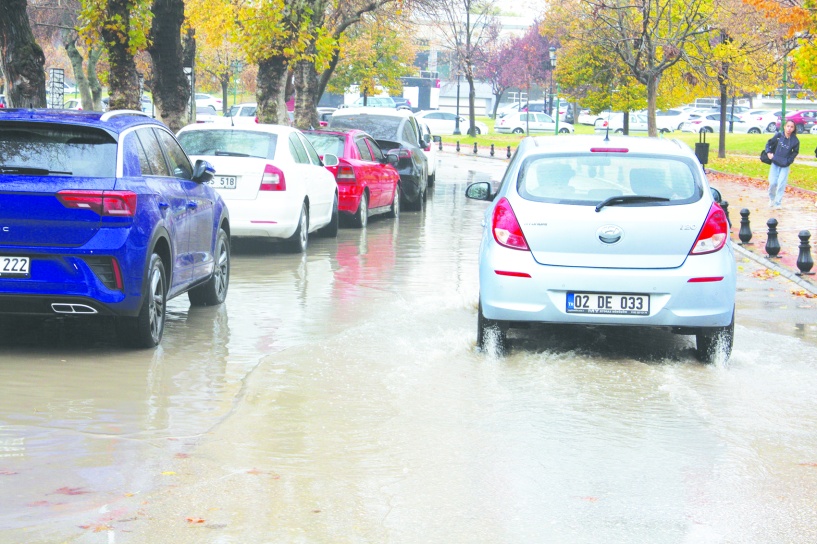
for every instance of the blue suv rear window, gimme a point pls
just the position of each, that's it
(55, 150)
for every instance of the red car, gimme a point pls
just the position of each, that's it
(803, 120)
(367, 181)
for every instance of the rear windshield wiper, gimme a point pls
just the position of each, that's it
(626, 199)
(220, 153)
(30, 171)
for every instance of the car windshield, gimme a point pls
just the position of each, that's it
(229, 142)
(326, 143)
(56, 150)
(380, 127)
(592, 178)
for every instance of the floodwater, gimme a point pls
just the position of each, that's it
(338, 397)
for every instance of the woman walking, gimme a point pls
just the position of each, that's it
(781, 148)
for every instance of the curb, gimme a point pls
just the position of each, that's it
(784, 272)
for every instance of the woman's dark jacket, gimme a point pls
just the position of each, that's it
(784, 149)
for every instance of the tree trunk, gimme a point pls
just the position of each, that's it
(85, 98)
(722, 126)
(123, 80)
(326, 75)
(171, 90)
(225, 90)
(93, 81)
(498, 97)
(472, 95)
(272, 84)
(22, 61)
(306, 96)
(652, 95)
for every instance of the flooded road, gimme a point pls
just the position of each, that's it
(337, 397)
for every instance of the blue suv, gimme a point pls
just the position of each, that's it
(104, 214)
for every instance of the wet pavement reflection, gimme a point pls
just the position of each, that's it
(338, 397)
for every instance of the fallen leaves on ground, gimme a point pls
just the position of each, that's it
(195, 520)
(96, 528)
(7, 473)
(803, 293)
(765, 274)
(71, 491)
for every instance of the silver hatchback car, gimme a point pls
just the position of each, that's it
(594, 231)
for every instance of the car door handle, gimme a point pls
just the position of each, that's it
(192, 204)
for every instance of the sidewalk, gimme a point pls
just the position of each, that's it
(798, 213)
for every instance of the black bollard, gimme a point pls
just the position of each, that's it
(458, 146)
(725, 207)
(772, 244)
(441, 144)
(804, 260)
(492, 150)
(475, 148)
(509, 152)
(745, 233)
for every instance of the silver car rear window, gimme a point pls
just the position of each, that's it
(591, 178)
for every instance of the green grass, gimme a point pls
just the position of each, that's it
(741, 150)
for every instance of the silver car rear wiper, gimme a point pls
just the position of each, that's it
(626, 199)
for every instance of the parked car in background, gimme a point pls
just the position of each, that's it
(242, 114)
(397, 133)
(504, 110)
(402, 102)
(672, 119)
(764, 118)
(587, 118)
(565, 110)
(105, 215)
(443, 123)
(3, 102)
(271, 178)
(712, 123)
(520, 122)
(367, 181)
(585, 231)
(206, 114)
(430, 150)
(324, 113)
(615, 124)
(376, 102)
(208, 100)
(803, 120)
(72, 105)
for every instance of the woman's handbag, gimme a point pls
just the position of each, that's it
(764, 157)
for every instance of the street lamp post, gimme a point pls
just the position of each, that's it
(457, 120)
(552, 54)
(551, 64)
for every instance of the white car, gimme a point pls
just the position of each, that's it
(207, 100)
(518, 123)
(271, 178)
(431, 151)
(587, 118)
(765, 118)
(443, 123)
(712, 123)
